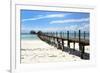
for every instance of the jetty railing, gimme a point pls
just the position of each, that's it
(57, 39)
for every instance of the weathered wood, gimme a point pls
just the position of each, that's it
(85, 42)
(74, 46)
(68, 43)
(57, 39)
(62, 44)
(74, 41)
(81, 46)
(58, 44)
(83, 51)
(67, 35)
(79, 41)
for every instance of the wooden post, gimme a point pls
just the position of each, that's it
(62, 44)
(68, 44)
(54, 39)
(56, 35)
(57, 40)
(68, 35)
(84, 46)
(51, 39)
(81, 48)
(79, 40)
(80, 44)
(74, 38)
(58, 44)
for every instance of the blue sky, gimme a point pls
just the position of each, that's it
(53, 21)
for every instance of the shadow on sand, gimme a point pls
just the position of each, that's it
(86, 56)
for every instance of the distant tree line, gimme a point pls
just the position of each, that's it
(32, 32)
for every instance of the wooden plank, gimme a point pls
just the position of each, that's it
(58, 41)
(85, 42)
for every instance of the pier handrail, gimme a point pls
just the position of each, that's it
(57, 39)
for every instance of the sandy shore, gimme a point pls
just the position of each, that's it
(37, 51)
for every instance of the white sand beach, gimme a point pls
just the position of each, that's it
(37, 51)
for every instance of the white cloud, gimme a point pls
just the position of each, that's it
(72, 27)
(31, 19)
(69, 20)
(54, 15)
(46, 16)
(53, 29)
(83, 27)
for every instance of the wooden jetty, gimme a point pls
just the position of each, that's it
(57, 39)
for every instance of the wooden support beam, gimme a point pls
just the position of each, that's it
(68, 44)
(62, 44)
(79, 41)
(67, 35)
(74, 46)
(57, 40)
(80, 45)
(81, 51)
(58, 44)
(84, 35)
(74, 41)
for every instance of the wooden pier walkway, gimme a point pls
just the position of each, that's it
(57, 40)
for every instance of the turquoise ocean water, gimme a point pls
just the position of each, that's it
(29, 37)
(35, 37)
